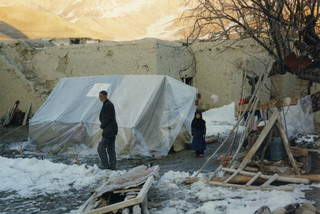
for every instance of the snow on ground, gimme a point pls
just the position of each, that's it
(201, 198)
(31, 177)
(26, 178)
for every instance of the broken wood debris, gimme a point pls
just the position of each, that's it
(139, 179)
(281, 188)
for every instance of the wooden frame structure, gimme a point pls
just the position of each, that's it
(274, 121)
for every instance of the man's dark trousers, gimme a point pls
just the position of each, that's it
(109, 144)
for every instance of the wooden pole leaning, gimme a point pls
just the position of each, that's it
(287, 147)
(257, 144)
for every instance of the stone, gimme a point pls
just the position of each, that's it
(303, 210)
(280, 210)
(306, 208)
(309, 206)
(263, 210)
(292, 207)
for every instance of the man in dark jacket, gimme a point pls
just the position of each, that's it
(109, 125)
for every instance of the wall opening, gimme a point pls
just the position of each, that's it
(187, 80)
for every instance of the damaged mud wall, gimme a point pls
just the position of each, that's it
(288, 85)
(31, 69)
(175, 60)
(220, 67)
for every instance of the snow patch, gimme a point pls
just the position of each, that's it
(33, 177)
(220, 120)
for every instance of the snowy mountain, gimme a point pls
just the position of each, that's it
(99, 19)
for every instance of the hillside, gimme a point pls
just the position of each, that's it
(108, 20)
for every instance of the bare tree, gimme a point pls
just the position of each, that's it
(278, 26)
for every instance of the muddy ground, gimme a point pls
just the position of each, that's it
(176, 161)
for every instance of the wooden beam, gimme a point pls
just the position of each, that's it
(257, 175)
(270, 180)
(286, 146)
(269, 104)
(299, 152)
(291, 179)
(302, 151)
(213, 139)
(281, 188)
(257, 144)
(244, 179)
(239, 179)
(26, 116)
(313, 178)
(126, 190)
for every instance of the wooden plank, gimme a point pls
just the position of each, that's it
(286, 146)
(270, 180)
(145, 188)
(280, 188)
(313, 178)
(239, 179)
(26, 116)
(191, 180)
(126, 190)
(258, 143)
(311, 150)
(116, 206)
(260, 139)
(213, 139)
(291, 179)
(11, 114)
(257, 175)
(298, 151)
(232, 176)
(144, 205)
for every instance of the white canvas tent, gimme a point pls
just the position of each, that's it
(150, 111)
